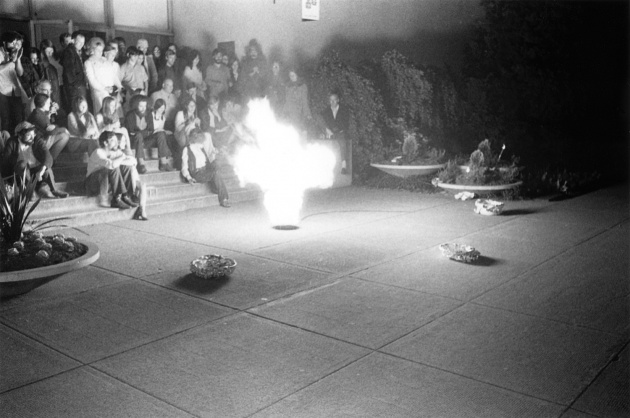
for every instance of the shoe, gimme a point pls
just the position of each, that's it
(138, 216)
(225, 203)
(128, 201)
(142, 169)
(165, 167)
(118, 203)
(45, 192)
(60, 194)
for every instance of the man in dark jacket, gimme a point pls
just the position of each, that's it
(74, 78)
(139, 124)
(337, 121)
(27, 151)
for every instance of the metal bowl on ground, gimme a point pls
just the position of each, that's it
(212, 266)
(459, 252)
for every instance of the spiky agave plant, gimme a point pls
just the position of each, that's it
(15, 210)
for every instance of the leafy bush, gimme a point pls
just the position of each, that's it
(365, 105)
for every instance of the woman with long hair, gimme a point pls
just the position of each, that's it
(158, 57)
(296, 108)
(53, 70)
(192, 73)
(82, 126)
(185, 121)
(108, 120)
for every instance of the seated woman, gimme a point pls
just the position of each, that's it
(199, 164)
(185, 121)
(213, 123)
(108, 120)
(83, 127)
(109, 168)
(56, 137)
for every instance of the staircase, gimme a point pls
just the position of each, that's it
(166, 192)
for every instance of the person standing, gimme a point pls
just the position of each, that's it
(254, 72)
(217, 76)
(296, 108)
(146, 60)
(12, 95)
(101, 75)
(74, 79)
(336, 118)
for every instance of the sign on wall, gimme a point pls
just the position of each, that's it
(310, 9)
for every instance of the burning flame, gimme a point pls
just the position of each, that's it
(281, 163)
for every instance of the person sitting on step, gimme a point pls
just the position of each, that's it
(82, 127)
(56, 137)
(139, 124)
(109, 168)
(199, 164)
(107, 120)
(26, 155)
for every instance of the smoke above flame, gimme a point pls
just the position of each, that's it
(281, 163)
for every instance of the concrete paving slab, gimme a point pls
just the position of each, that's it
(572, 413)
(608, 396)
(70, 283)
(80, 393)
(383, 386)
(340, 255)
(232, 367)
(246, 226)
(255, 281)
(431, 272)
(24, 361)
(588, 286)
(529, 355)
(109, 320)
(125, 251)
(364, 313)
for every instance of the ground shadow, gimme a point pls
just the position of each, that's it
(484, 261)
(192, 283)
(516, 212)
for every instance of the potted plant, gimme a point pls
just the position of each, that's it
(411, 156)
(485, 173)
(28, 258)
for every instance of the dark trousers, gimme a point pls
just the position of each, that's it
(11, 112)
(117, 179)
(48, 179)
(209, 174)
(142, 139)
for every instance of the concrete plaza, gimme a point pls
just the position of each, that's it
(354, 314)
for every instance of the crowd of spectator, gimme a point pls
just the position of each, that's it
(112, 101)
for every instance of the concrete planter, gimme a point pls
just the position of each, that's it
(408, 170)
(18, 282)
(477, 189)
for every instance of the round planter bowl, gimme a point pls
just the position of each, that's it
(18, 282)
(478, 189)
(409, 170)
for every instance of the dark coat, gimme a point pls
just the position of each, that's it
(73, 73)
(40, 119)
(11, 153)
(337, 125)
(132, 125)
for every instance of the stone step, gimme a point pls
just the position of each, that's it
(98, 214)
(79, 202)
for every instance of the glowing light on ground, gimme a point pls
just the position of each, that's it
(281, 163)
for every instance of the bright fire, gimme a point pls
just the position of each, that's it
(281, 163)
